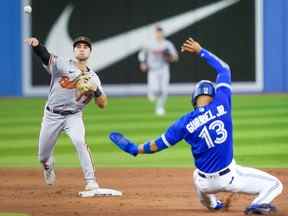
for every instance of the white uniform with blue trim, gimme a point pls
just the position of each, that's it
(209, 132)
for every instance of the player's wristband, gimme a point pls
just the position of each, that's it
(43, 53)
(97, 93)
(147, 148)
(160, 146)
(202, 52)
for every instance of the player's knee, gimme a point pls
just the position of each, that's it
(279, 186)
(195, 175)
(158, 93)
(275, 186)
(78, 142)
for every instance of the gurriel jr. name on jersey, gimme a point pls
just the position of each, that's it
(204, 118)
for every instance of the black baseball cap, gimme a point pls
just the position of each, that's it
(82, 39)
(159, 28)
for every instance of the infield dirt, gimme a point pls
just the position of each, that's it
(146, 192)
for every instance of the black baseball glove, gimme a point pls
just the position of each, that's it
(167, 56)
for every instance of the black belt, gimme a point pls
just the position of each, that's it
(220, 173)
(61, 112)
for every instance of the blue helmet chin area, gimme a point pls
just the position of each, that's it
(204, 87)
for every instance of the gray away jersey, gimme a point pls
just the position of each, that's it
(63, 94)
(152, 53)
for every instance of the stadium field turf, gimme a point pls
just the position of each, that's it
(260, 132)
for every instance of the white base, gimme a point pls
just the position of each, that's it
(100, 192)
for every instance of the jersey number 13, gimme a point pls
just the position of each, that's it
(218, 127)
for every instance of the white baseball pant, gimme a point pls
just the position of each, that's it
(158, 83)
(239, 180)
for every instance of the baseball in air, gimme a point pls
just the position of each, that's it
(28, 9)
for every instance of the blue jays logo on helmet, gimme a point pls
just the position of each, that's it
(204, 87)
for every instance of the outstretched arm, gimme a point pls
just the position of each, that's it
(222, 69)
(223, 80)
(134, 149)
(39, 49)
(172, 136)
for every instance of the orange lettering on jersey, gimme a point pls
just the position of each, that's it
(66, 83)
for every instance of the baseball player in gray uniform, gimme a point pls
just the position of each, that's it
(73, 84)
(155, 58)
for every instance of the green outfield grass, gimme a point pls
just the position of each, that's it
(13, 214)
(260, 132)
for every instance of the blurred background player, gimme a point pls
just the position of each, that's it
(154, 59)
(209, 131)
(63, 110)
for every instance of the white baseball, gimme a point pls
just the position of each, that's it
(28, 9)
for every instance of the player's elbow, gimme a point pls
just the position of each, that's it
(226, 67)
(225, 70)
(228, 71)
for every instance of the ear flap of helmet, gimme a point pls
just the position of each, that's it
(204, 87)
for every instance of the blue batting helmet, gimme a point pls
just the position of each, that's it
(204, 87)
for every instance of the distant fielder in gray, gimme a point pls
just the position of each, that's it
(154, 59)
(73, 84)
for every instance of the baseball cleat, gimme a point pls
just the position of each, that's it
(49, 173)
(91, 185)
(260, 209)
(160, 112)
(219, 206)
(100, 192)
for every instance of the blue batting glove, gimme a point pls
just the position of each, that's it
(123, 143)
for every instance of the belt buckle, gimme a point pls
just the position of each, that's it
(64, 112)
(212, 176)
(60, 112)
